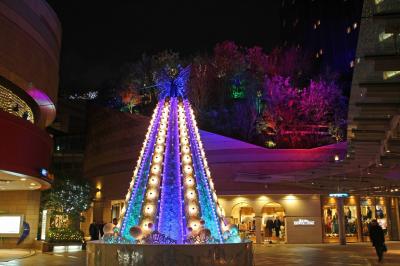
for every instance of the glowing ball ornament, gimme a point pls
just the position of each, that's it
(157, 159)
(192, 209)
(151, 194)
(156, 169)
(149, 209)
(186, 159)
(154, 180)
(135, 232)
(185, 150)
(189, 181)
(188, 170)
(195, 225)
(108, 228)
(159, 149)
(190, 194)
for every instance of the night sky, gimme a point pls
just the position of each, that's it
(100, 36)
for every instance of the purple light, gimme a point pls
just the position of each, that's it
(171, 185)
(150, 139)
(46, 105)
(195, 148)
(178, 162)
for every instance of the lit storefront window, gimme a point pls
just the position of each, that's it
(331, 225)
(11, 103)
(373, 208)
(350, 218)
(331, 221)
(380, 212)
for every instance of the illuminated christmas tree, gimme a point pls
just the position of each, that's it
(172, 192)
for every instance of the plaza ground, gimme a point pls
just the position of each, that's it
(265, 254)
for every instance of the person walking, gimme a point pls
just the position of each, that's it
(277, 226)
(94, 231)
(377, 238)
(269, 225)
(100, 228)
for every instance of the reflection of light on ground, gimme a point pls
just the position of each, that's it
(12, 254)
(61, 249)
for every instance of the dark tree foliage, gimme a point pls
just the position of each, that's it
(274, 100)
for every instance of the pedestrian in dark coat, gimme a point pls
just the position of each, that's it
(94, 231)
(277, 226)
(377, 238)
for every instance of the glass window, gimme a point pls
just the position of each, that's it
(330, 219)
(367, 213)
(350, 218)
(116, 208)
(380, 213)
(373, 208)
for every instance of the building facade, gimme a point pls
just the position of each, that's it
(253, 184)
(321, 195)
(327, 29)
(29, 60)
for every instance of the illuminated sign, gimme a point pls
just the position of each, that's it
(10, 225)
(44, 225)
(339, 195)
(303, 222)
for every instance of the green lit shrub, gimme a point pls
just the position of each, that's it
(65, 235)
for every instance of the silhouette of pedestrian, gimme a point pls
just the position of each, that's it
(377, 238)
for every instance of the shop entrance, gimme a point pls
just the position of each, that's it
(273, 222)
(243, 216)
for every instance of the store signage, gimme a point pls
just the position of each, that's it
(10, 225)
(44, 225)
(303, 222)
(339, 195)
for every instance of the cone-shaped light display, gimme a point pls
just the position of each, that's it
(172, 191)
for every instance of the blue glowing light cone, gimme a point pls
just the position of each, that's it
(171, 191)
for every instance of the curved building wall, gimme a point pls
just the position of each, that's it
(30, 40)
(29, 51)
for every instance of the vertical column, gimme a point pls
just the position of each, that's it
(388, 205)
(258, 229)
(342, 229)
(396, 218)
(359, 220)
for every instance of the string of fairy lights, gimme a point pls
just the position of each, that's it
(126, 214)
(172, 143)
(190, 198)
